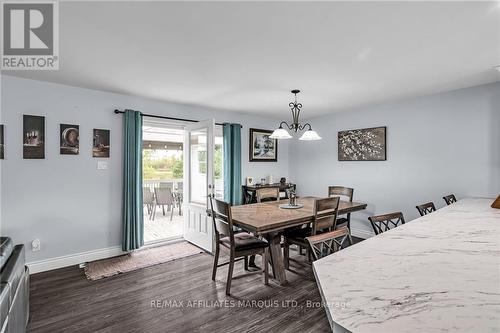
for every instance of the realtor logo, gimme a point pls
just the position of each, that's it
(30, 36)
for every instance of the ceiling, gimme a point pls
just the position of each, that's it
(246, 57)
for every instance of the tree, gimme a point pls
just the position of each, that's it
(178, 168)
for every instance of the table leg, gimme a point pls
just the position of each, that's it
(274, 240)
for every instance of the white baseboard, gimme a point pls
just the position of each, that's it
(361, 233)
(82, 257)
(73, 259)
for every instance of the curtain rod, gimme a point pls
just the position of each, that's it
(169, 118)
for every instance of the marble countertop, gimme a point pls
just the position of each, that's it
(437, 273)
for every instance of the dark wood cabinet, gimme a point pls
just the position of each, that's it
(249, 191)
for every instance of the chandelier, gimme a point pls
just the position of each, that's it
(281, 133)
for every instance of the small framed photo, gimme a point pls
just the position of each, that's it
(69, 139)
(100, 143)
(261, 147)
(33, 137)
(2, 143)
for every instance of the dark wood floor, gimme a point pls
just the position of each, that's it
(149, 300)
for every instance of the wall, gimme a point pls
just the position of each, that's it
(64, 200)
(436, 145)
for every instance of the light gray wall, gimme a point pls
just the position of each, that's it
(436, 145)
(64, 200)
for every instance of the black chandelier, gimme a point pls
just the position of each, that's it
(281, 133)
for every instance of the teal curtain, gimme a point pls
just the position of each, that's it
(133, 223)
(232, 163)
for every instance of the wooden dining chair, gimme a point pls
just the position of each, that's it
(268, 194)
(240, 245)
(383, 223)
(449, 199)
(426, 208)
(322, 245)
(324, 220)
(345, 193)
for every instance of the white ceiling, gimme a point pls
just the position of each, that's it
(245, 56)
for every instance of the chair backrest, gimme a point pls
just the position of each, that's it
(329, 242)
(383, 223)
(449, 199)
(267, 194)
(335, 191)
(325, 214)
(426, 208)
(164, 196)
(147, 195)
(222, 219)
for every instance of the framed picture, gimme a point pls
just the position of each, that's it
(261, 147)
(100, 143)
(2, 143)
(69, 138)
(367, 144)
(33, 137)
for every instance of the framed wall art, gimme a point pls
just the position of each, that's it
(261, 147)
(366, 144)
(69, 138)
(101, 143)
(33, 137)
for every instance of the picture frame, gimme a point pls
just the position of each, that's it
(69, 139)
(261, 148)
(33, 137)
(2, 142)
(365, 144)
(101, 143)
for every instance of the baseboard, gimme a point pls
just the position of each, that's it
(360, 233)
(82, 257)
(73, 259)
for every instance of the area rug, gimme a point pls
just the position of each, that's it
(100, 269)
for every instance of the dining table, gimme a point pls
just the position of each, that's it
(267, 219)
(437, 273)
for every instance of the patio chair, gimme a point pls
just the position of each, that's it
(163, 197)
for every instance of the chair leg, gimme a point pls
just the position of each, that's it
(265, 266)
(171, 214)
(300, 250)
(286, 255)
(308, 254)
(153, 215)
(230, 274)
(216, 261)
(163, 208)
(245, 263)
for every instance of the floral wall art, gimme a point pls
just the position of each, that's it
(367, 144)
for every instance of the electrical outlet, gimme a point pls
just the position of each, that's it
(35, 245)
(102, 165)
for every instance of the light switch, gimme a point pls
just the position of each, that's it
(102, 165)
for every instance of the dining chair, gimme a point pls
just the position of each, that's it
(268, 194)
(324, 220)
(148, 199)
(383, 223)
(426, 208)
(240, 245)
(322, 245)
(449, 199)
(344, 193)
(163, 197)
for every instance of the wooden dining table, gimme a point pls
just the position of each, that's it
(269, 220)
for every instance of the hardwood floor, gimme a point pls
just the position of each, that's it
(177, 296)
